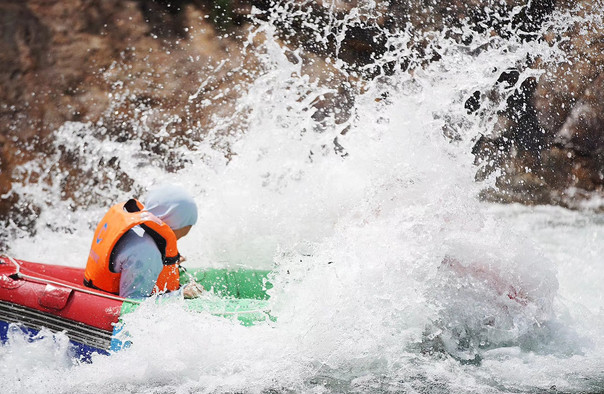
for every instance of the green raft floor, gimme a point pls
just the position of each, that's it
(240, 283)
(240, 294)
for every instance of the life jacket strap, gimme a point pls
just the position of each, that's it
(88, 283)
(161, 245)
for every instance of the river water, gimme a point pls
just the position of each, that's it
(389, 274)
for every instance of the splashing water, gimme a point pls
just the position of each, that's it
(389, 274)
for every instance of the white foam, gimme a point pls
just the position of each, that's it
(364, 296)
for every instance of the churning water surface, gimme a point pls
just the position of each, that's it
(388, 273)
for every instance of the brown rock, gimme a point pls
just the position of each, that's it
(583, 129)
(106, 63)
(563, 85)
(564, 111)
(132, 67)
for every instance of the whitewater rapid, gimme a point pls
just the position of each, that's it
(328, 354)
(388, 273)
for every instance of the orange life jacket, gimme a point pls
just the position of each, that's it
(121, 218)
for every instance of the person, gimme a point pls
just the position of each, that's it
(134, 252)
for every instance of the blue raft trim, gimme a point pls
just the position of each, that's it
(85, 339)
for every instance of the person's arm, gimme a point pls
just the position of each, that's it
(140, 263)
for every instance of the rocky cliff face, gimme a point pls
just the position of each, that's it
(550, 145)
(105, 63)
(109, 62)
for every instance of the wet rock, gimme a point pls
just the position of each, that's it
(562, 163)
(103, 63)
(583, 129)
(562, 85)
(124, 70)
(106, 63)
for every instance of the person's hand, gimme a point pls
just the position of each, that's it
(182, 259)
(192, 290)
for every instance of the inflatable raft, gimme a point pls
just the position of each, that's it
(35, 296)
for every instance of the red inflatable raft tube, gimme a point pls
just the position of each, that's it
(36, 295)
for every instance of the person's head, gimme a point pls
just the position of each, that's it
(174, 206)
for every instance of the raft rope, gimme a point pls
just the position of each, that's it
(20, 275)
